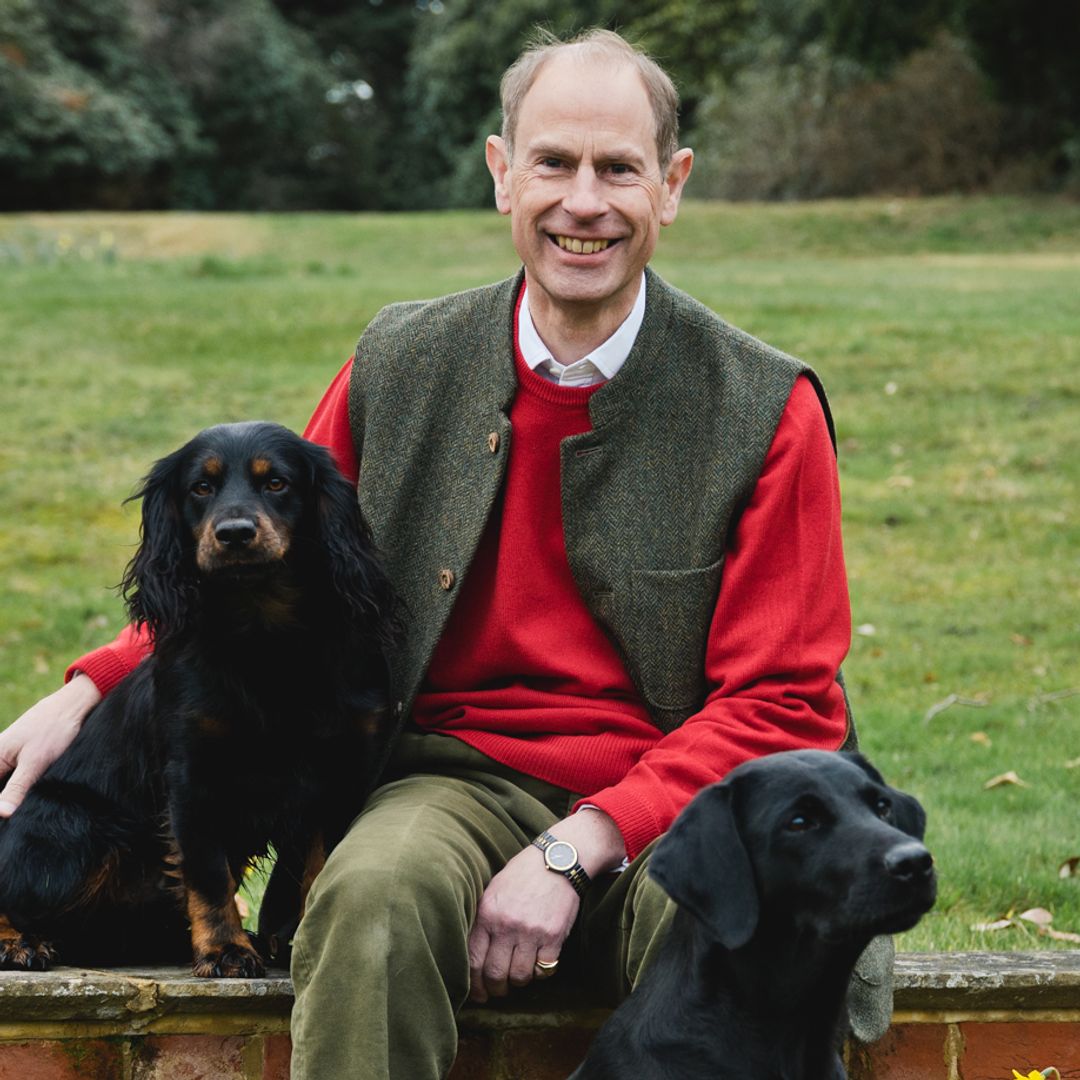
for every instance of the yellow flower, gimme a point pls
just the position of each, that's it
(1046, 1074)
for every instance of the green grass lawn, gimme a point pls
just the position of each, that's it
(948, 334)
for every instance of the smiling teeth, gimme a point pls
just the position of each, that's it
(581, 247)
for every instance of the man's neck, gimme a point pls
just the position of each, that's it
(572, 331)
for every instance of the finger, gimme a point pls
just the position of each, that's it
(15, 789)
(497, 967)
(546, 963)
(546, 954)
(522, 964)
(479, 941)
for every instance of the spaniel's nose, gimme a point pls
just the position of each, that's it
(235, 532)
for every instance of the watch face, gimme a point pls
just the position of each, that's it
(561, 855)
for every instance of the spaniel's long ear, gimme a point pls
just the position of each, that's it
(345, 541)
(702, 864)
(160, 582)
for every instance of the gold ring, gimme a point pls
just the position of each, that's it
(545, 968)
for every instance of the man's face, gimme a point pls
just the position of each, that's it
(584, 189)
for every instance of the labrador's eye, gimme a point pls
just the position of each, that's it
(275, 485)
(202, 488)
(799, 823)
(883, 808)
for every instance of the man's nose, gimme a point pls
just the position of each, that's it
(585, 196)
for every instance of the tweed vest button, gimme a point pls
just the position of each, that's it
(446, 579)
(493, 442)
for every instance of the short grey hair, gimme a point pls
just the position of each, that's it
(601, 45)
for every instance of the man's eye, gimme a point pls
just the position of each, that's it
(202, 488)
(620, 170)
(551, 163)
(275, 484)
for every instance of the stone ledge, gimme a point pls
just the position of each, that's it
(961, 1014)
(70, 1001)
(139, 1000)
(988, 982)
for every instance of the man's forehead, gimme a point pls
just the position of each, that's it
(573, 101)
(569, 78)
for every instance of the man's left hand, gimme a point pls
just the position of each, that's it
(527, 911)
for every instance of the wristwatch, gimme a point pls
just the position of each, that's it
(561, 857)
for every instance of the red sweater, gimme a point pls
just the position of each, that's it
(524, 674)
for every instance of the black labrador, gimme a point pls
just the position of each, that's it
(783, 873)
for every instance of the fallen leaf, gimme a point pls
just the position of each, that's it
(1020, 639)
(41, 665)
(1069, 867)
(1037, 915)
(1073, 763)
(866, 630)
(1000, 924)
(981, 738)
(1005, 778)
(1059, 935)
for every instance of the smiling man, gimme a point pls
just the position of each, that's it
(587, 184)
(614, 522)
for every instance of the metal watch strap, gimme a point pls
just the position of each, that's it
(575, 874)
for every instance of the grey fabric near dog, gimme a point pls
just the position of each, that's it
(784, 873)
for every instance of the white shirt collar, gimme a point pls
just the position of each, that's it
(602, 363)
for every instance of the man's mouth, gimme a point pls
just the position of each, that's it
(581, 247)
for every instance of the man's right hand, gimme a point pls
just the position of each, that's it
(31, 744)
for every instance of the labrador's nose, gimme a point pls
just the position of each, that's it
(909, 861)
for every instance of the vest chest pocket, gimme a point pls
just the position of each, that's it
(664, 628)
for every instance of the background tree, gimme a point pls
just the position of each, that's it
(83, 120)
(383, 104)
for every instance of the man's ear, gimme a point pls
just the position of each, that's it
(498, 163)
(678, 172)
(702, 864)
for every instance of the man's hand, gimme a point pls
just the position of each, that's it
(31, 744)
(527, 911)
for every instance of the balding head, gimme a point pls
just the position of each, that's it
(594, 47)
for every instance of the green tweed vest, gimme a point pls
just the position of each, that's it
(650, 496)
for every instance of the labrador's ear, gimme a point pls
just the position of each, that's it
(857, 759)
(908, 814)
(702, 864)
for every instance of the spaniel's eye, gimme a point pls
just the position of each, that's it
(275, 485)
(799, 823)
(883, 808)
(202, 488)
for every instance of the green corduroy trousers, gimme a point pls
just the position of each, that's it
(380, 963)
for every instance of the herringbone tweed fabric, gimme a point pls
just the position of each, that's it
(650, 495)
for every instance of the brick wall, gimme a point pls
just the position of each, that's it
(973, 1016)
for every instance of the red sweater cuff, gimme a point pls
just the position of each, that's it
(113, 663)
(104, 667)
(633, 818)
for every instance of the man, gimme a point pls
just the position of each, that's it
(614, 522)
